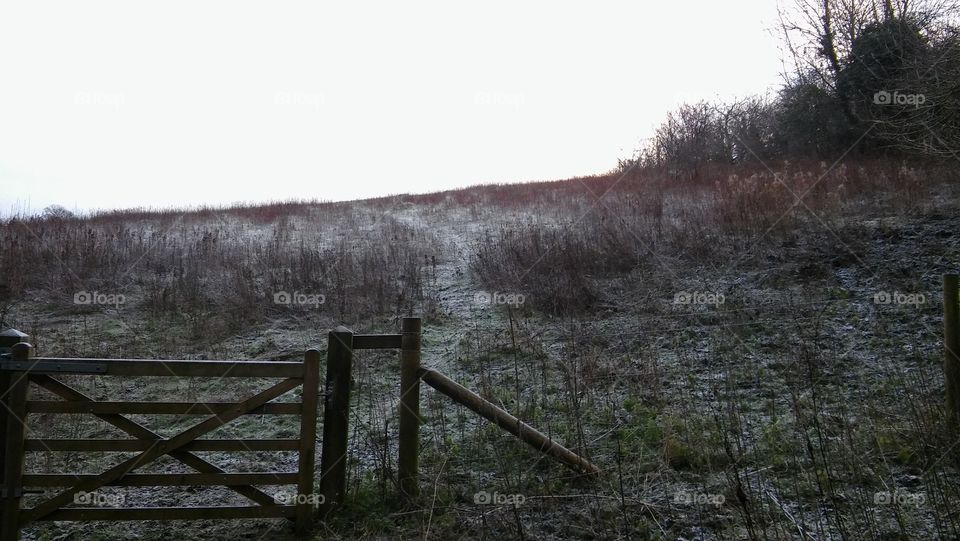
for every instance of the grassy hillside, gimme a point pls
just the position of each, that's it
(746, 353)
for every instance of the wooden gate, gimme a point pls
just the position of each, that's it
(20, 369)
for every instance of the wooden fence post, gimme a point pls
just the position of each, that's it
(408, 461)
(336, 419)
(16, 410)
(308, 440)
(951, 345)
(4, 415)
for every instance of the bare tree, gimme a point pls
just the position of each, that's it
(891, 65)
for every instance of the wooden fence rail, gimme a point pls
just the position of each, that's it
(504, 420)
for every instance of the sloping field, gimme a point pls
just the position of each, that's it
(753, 355)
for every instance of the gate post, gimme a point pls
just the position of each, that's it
(408, 460)
(336, 419)
(8, 338)
(308, 440)
(16, 413)
(951, 346)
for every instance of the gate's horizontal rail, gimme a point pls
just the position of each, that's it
(164, 479)
(156, 408)
(143, 445)
(376, 341)
(139, 431)
(118, 471)
(172, 513)
(144, 367)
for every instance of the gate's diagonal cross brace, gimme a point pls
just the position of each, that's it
(162, 448)
(141, 432)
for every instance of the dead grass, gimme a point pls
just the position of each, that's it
(791, 410)
(220, 272)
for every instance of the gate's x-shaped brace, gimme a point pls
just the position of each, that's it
(163, 446)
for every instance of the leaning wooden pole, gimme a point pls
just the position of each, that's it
(951, 345)
(409, 445)
(504, 420)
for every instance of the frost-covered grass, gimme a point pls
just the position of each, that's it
(796, 406)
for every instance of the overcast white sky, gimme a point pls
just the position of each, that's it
(120, 104)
